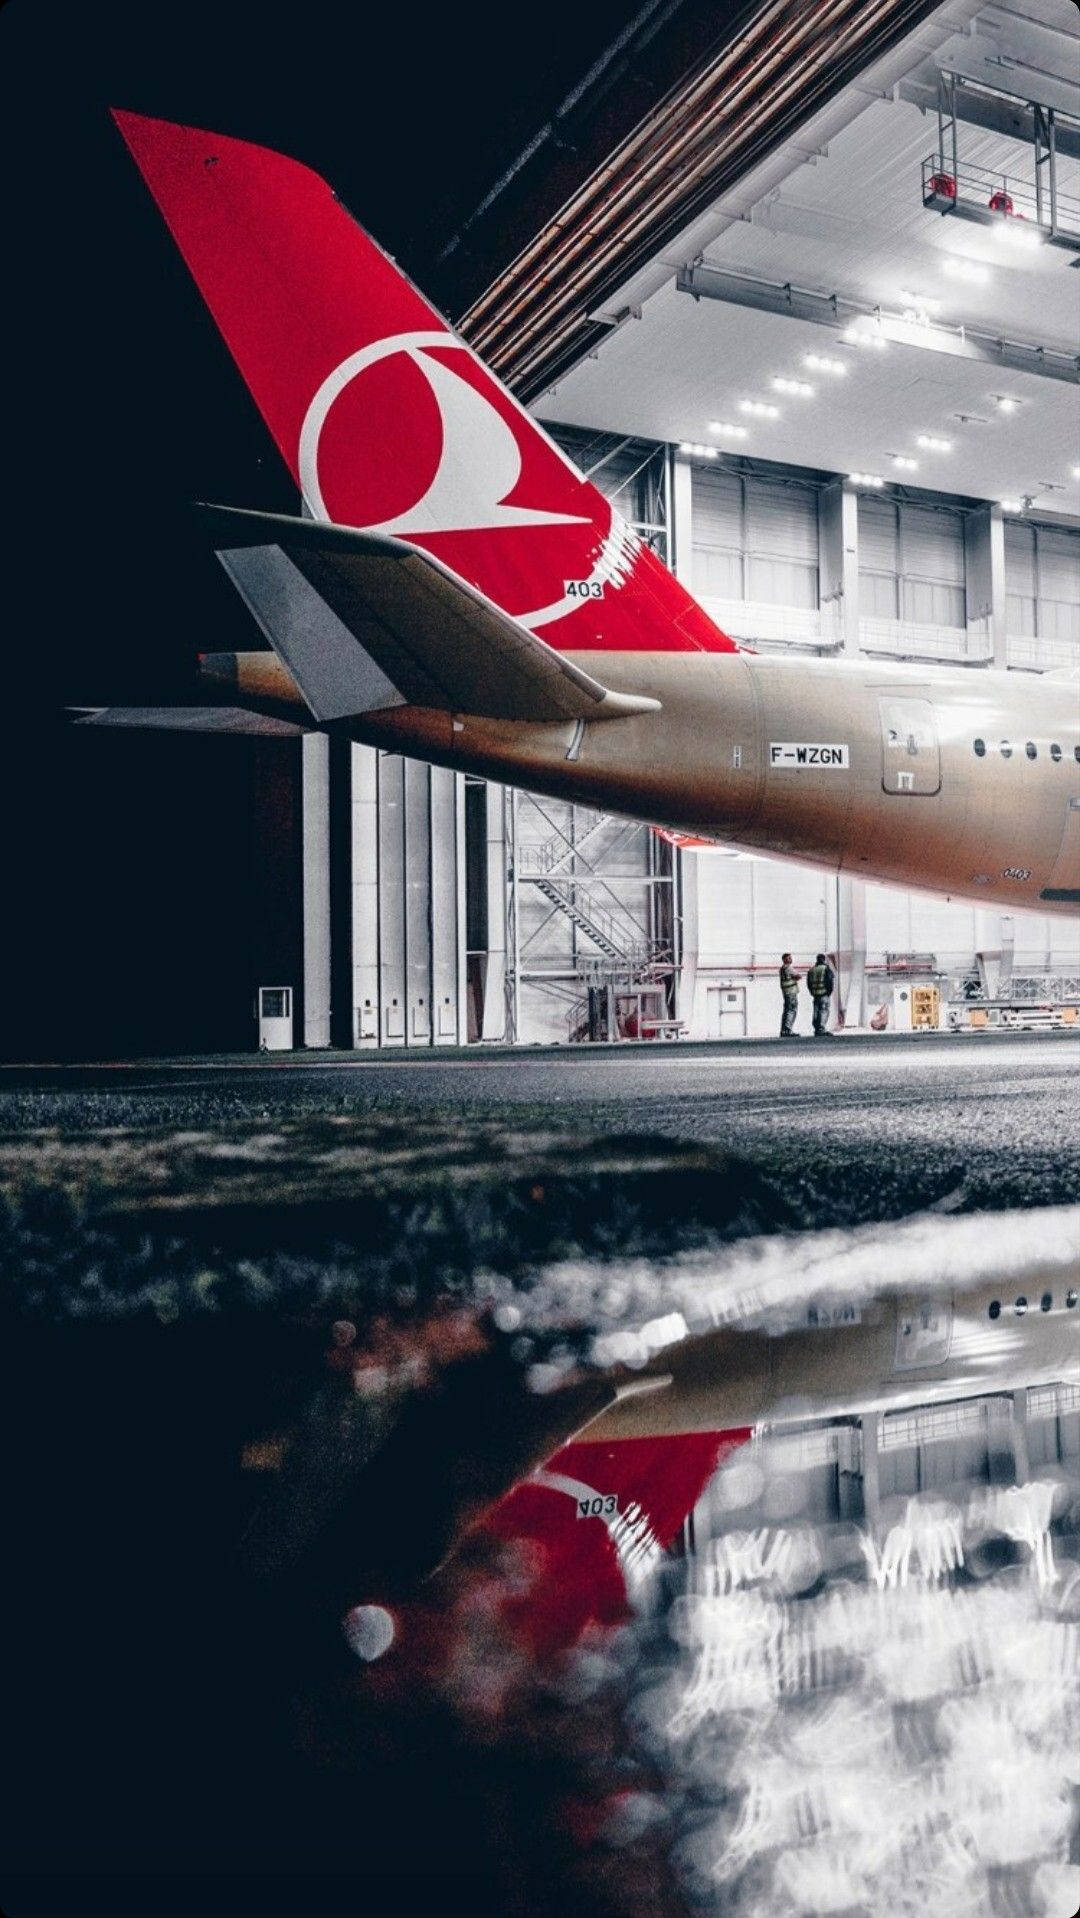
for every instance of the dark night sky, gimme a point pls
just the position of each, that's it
(128, 859)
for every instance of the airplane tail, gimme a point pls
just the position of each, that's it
(598, 1514)
(386, 420)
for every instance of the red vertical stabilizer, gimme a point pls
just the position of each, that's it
(384, 417)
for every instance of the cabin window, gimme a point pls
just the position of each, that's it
(1047, 1302)
(1031, 749)
(1070, 1299)
(1055, 751)
(1076, 754)
(980, 748)
(995, 1308)
(1006, 749)
(1020, 1307)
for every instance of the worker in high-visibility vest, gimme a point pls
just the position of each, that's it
(789, 986)
(820, 981)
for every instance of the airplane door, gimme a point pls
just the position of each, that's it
(910, 755)
(1064, 886)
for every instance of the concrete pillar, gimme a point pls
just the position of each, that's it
(493, 1024)
(681, 518)
(851, 948)
(342, 1024)
(443, 905)
(461, 909)
(392, 990)
(984, 575)
(365, 896)
(1008, 949)
(870, 1428)
(315, 809)
(684, 865)
(1021, 1459)
(838, 560)
(688, 868)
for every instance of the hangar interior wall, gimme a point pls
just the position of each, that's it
(866, 1469)
(470, 912)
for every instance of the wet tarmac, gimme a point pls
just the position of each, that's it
(273, 1331)
(845, 1130)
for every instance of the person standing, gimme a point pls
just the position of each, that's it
(789, 986)
(820, 981)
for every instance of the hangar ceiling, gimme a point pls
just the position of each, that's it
(841, 215)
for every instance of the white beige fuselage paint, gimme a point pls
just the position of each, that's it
(896, 790)
(908, 800)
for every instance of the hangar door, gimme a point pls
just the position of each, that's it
(755, 539)
(910, 755)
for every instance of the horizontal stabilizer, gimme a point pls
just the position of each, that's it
(364, 621)
(189, 719)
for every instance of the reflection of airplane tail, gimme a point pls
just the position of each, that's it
(599, 1513)
(385, 419)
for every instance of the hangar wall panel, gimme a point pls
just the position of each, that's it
(393, 995)
(447, 916)
(744, 912)
(418, 899)
(911, 563)
(1042, 581)
(755, 538)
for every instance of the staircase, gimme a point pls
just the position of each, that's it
(617, 940)
(557, 853)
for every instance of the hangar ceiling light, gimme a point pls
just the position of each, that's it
(1021, 238)
(969, 270)
(856, 335)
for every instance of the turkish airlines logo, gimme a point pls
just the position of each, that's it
(398, 440)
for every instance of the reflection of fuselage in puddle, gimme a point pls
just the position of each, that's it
(854, 1634)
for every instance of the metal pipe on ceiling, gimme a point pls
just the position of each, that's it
(633, 223)
(534, 316)
(689, 98)
(639, 222)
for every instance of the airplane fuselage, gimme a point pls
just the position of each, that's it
(957, 781)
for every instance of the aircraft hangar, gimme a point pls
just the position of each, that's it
(500, 1455)
(840, 402)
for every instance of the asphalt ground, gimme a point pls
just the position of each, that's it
(844, 1131)
(176, 1238)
